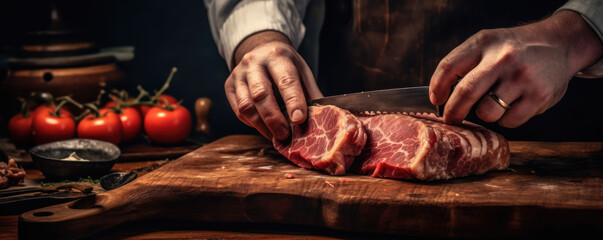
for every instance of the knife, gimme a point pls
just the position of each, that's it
(411, 100)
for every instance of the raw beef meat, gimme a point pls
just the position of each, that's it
(329, 140)
(401, 146)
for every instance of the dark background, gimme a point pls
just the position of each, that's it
(176, 33)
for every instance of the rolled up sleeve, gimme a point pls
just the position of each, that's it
(592, 13)
(232, 21)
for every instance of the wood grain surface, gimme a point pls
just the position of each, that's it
(550, 189)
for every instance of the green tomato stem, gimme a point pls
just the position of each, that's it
(165, 86)
(84, 114)
(168, 107)
(98, 98)
(24, 112)
(64, 100)
(94, 109)
(142, 93)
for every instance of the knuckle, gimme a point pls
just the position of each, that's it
(234, 75)
(259, 93)
(484, 37)
(229, 90)
(466, 90)
(293, 101)
(247, 59)
(241, 116)
(278, 51)
(271, 119)
(446, 64)
(508, 55)
(229, 83)
(245, 107)
(287, 81)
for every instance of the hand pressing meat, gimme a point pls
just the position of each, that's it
(263, 62)
(10, 174)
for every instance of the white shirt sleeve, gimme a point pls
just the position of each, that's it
(231, 21)
(592, 13)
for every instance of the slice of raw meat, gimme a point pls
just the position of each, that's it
(425, 148)
(329, 140)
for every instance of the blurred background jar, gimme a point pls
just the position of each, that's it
(53, 55)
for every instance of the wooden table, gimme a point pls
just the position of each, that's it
(170, 230)
(187, 230)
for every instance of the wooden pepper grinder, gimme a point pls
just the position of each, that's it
(202, 109)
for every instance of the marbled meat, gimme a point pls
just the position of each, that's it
(423, 147)
(329, 140)
(393, 146)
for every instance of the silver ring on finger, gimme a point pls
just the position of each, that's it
(500, 102)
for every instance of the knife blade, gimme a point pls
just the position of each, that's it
(411, 100)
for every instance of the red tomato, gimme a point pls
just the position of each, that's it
(19, 128)
(107, 127)
(48, 128)
(161, 100)
(144, 109)
(110, 104)
(131, 123)
(42, 108)
(168, 126)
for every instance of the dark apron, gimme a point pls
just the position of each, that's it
(368, 44)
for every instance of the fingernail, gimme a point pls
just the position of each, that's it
(282, 132)
(297, 116)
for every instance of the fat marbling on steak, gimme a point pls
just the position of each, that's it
(329, 140)
(423, 147)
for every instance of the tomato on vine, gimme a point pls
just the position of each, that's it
(161, 101)
(102, 124)
(170, 124)
(131, 122)
(19, 126)
(164, 98)
(53, 124)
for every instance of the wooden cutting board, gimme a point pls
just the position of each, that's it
(550, 189)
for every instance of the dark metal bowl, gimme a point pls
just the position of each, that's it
(49, 157)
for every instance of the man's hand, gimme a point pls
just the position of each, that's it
(264, 63)
(528, 67)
